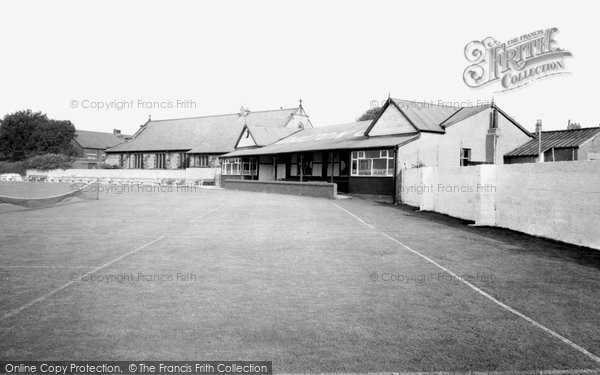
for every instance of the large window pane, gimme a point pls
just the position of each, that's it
(364, 167)
(379, 167)
(372, 154)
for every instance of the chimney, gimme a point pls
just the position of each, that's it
(117, 132)
(538, 131)
(491, 138)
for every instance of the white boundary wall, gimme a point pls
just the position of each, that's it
(558, 200)
(184, 174)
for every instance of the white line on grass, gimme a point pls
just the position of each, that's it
(47, 267)
(503, 305)
(207, 212)
(17, 310)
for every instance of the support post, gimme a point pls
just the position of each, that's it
(332, 164)
(301, 167)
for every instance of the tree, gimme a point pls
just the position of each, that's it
(370, 114)
(54, 137)
(27, 133)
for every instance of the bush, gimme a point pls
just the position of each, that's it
(19, 167)
(50, 161)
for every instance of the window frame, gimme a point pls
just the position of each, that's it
(464, 158)
(252, 164)
(358, 156)
(231, 162)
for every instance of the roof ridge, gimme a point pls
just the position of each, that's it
(93, 131)
(339, 124)
(429, 103)
(444, 105)
(570, 130)
(273, 110)
(224, 114)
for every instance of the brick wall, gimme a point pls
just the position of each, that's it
(172, 160)
(309, 189)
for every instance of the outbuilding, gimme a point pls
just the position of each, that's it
(363, 158)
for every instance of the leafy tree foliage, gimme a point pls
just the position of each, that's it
(370, 114)
(26, 133)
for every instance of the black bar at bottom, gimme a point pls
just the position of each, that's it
(136, 367)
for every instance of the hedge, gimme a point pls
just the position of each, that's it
(50, 161)
(19, 167)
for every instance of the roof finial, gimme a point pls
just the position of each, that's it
(492, 101)
(149, 117)
(300, 106)
(389, 94)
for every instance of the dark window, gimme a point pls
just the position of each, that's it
(306, 163)
(465, 156)
(138, 161)
(202, 160)
(160, 161)
(181, 164)
(249, 167)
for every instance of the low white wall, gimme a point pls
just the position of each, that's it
(411, 187)
(559, 200)
(556, 200)
(187, 174)
(455, 191)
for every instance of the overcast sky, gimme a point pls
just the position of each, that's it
(337, 56)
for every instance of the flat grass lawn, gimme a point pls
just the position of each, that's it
(222, 275)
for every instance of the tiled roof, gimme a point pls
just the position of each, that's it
(208, 134)
(334, 137)
(555, 139)
(463, 114)
(425, 116)
(434, 117)
(97, 140)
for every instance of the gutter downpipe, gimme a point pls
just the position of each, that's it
(395, 201)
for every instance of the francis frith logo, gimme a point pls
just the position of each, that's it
(514, 63)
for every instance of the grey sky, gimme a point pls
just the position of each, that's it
(336, 56)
